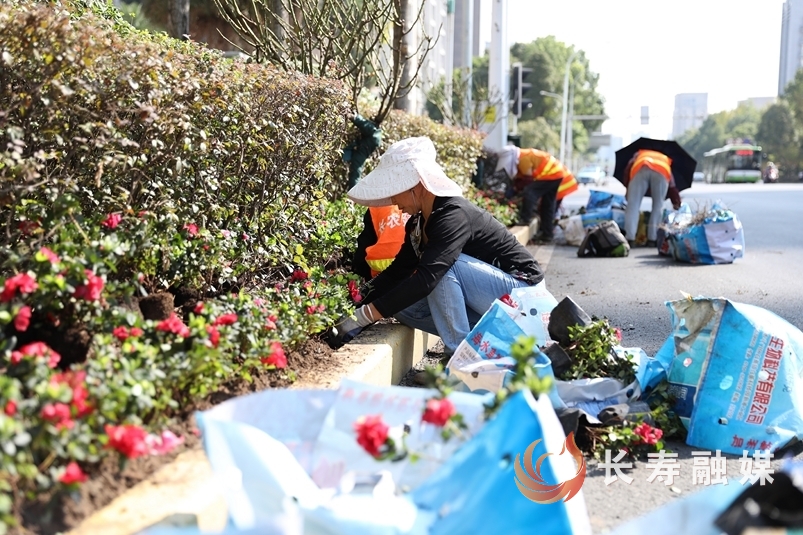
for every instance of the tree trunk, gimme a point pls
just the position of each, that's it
(178, 18)
(403, 42)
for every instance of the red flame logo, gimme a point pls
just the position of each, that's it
(532, 485)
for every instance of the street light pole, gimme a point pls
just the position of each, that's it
(564, 117)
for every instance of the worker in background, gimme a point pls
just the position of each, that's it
(538, 175)
(647, 170)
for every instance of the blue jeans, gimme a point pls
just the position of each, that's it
(459, 300)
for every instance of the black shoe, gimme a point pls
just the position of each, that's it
(540, 239)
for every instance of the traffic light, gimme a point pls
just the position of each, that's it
(518, 89)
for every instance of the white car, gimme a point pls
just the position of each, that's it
(699, 176)
(592, 174)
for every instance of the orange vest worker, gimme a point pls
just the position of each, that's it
(389, 227)
(657, 161)
(540, 165)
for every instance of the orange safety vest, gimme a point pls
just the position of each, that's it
(540, 165)
(657, 161)
(389, 224)
(567, 185)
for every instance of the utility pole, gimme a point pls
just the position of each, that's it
(498, 78)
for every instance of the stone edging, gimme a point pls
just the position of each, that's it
(185, 492)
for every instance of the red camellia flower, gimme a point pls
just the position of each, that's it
(372, 433)
(270, 324)
(618, 333)
(312, 309)
(22, 282)
(354, 291)
(36, 349)
(128, 439)
(438, 411)
(76, 381)
(27, 227)
(59, 414)
(648, 434)
(112, 220)
(11, 408)
(299, 275)
(214, 335)
(174, 325)
(226, 319)
(50, 255)
(192, 229)
(199, 307)
(277, 357)
(91, 291)
(121, 333)
(72, 474)
(22, 319)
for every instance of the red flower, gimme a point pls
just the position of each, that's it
(22, 282)
(59, 414)
(27, 227)
(174, 325)
(133, 332)
(354, 291)
(121, 333)
(128, 439)
(438, 411)
(112, 220)
(192, 229)
(277, 357)
(226, 319)
(164, 443)
(199, 307)
(91, 291)
(618, 333)
(648, 434)
(271, 323)
(36, 349)
(299, 275)
(372, 433)
(72, 474)
(50, 255)
(75, 380)
(214, 335)
(22, 319)
(311, 309)
(11, 408)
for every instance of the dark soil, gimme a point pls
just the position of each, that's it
(60, 513)
(157, 306)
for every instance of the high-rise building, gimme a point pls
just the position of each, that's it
(691, 109)
(791, 42)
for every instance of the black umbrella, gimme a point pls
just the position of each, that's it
(683, 165)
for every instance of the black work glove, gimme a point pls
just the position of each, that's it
(347, 327)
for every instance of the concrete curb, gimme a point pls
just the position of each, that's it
(185, 492)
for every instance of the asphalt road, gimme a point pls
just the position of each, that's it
(631, 292)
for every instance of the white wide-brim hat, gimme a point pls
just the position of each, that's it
(508, 160)
(404, 164)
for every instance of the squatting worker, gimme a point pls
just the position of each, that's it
(647, 169)
(455, 260)
(538, 175)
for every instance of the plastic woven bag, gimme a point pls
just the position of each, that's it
(736, 371)
(717, 239)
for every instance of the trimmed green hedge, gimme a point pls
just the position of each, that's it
(125, 121)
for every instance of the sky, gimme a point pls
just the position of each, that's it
(727, 48)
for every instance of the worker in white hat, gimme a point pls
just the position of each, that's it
(456, 258)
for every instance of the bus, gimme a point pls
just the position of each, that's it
(732, 163)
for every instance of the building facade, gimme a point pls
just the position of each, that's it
(791, 42)
(691, 109)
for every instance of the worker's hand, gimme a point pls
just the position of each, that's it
(347, 327)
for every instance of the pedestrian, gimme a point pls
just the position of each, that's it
(368, 140)
(538, 175)
(380, 240)
(456, 258)
(647, 170)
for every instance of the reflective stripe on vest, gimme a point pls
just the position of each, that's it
(567, 185)
(388, 224)
(657, 161)
(544, 165)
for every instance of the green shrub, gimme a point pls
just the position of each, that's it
(128, 121)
